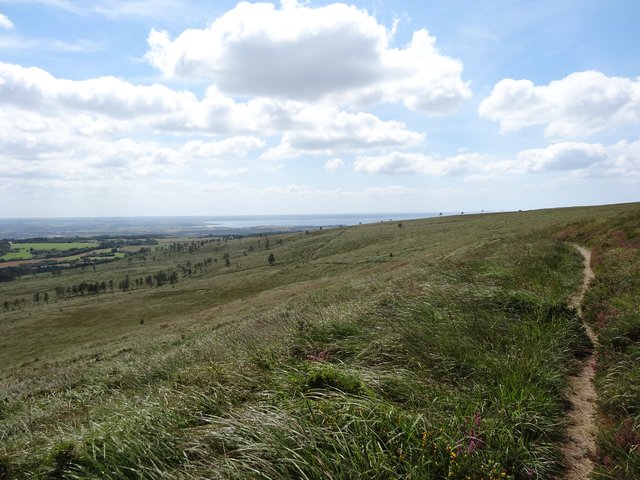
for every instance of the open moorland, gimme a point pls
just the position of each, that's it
(437, 348)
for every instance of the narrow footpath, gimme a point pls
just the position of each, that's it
(580, 446)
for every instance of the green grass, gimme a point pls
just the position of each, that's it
(25, 251)
(447, 359)
(611, 305)
(17, 254)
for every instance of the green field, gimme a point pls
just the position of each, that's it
(437, 348)
(25, 251)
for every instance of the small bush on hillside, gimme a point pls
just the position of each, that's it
(328, 376)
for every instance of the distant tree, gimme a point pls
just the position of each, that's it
(161, 278)
(5, 247)
(271, 259)
(46, 297)
(124, 284)
(36, 297)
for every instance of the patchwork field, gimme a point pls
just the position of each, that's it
(438, 348)
(24, 251)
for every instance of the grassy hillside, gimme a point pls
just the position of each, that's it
(434, 348)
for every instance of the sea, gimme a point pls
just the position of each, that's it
(311, 220)
(21, 228)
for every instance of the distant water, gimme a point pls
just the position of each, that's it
(17, 228)
(242, 221)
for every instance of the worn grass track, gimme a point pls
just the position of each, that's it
(580, 448)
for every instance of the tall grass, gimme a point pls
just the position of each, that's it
(611, 306)
(448, 360)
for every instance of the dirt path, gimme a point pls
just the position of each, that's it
(580, 447)
(316, 250)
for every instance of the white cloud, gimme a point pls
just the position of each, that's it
(418, 77)
(233, 147)
(226, 172)
(333, 164)
(301, 52)
(35, 88)
(396, 163)
(329, 131)
(587, 159)
(46, 152)
(110, 106)
(579, 105)
(621, 159)
(6, 23)
(563, 156)
(307, 191)
(390, 191)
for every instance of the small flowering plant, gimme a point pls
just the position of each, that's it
(472, 437)
(468, 457)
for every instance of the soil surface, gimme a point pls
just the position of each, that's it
(580, 446)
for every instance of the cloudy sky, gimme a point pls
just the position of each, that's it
(171, 107)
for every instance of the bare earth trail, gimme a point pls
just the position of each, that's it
(580, 447)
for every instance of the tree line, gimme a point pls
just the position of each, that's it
(158, 279)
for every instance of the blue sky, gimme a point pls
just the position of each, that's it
(111, 108)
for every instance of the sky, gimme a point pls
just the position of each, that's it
(167, 107)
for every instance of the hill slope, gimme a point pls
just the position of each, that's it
(428, 349)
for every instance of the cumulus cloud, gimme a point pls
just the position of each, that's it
(396, 163)
(563, 156)
(83, 126)
(328, 131)
(300, 52)
(233, 147)
(307, 191)
(620, 159)
(108, 106)
(35, 88)
(115, 163)
(578, 105)
(391, 191)
(5, 23)
(333, 164)
(589, 159)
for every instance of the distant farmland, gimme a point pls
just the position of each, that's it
(26, 251)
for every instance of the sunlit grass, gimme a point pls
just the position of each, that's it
(448, 359)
